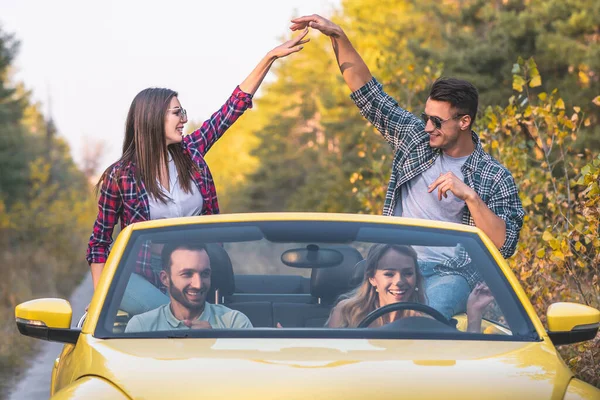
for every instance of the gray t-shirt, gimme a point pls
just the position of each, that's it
(417, 203)
(162, 319)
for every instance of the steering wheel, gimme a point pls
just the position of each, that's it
(401, 306)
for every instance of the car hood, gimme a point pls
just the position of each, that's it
(329, 368)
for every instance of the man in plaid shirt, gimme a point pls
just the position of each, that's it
(439, 172)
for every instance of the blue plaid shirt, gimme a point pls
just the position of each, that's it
(406, 134)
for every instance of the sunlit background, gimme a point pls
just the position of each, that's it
(85, 61)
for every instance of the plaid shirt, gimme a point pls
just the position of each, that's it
(406, 134)
(122, 198)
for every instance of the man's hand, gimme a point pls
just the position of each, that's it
(291, 46)
(317, 22)
(450, 182)
(195, 324)
(479, 299)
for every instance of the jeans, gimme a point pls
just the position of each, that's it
(446, 293)
(141, 296)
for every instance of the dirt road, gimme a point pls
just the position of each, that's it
(35, 382)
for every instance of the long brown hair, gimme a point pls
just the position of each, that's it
(358, 303)
(145, 144)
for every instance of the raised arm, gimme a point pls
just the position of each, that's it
(251, 84)
(399, 127)
(353, 68)
(213, 128)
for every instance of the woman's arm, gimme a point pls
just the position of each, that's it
(251, 84)
(212, 129)
(109, 212)
(96, 269)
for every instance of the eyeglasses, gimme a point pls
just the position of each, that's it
(179, 112)
(437, 121)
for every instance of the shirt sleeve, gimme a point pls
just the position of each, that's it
(109, 209)
(506, 204)
(134, 325)
(213, 128)
(398, 126)
(239, 320)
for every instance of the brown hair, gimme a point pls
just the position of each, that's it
(145, 144)
(358, 303)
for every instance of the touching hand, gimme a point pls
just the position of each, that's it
(291, 46)
(196, 324)
(317, 22)
(450, 182)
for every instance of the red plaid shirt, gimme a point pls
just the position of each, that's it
(122, 198)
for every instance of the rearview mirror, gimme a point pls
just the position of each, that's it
(312, 256)
(48, 319)
(572, 323)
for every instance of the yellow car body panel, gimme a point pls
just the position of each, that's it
(90, 388)
(321, 368)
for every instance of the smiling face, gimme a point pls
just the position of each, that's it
(395, 278)
(453, 137)
(188, 279)
(175, 120)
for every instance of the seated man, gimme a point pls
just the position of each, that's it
(187, 275)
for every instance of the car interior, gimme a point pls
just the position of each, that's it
(291, 300)
(291, 275)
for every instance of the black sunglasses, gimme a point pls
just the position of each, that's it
(437, 121)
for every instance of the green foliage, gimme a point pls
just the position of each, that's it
(46, 211)
(559, 250)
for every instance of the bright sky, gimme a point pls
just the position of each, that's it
(92, 58)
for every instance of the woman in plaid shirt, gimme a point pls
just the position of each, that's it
(163, 174)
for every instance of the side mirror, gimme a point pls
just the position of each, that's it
(572, 323)
(48, 319)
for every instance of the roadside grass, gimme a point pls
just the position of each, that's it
(29, 272)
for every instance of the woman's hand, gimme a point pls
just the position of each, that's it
(251, 84)
(291, 46)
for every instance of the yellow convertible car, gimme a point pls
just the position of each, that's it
(309, 306)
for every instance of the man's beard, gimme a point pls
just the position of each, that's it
(179, 296)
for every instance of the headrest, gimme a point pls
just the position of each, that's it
(222, 271)
(329, 283)
(359, 273)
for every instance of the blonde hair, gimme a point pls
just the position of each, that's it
(355, 305)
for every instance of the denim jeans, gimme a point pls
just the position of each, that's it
(141, 296)
(446, 293)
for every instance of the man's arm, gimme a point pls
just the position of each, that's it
(400, 128)
(353, 68)
(501, 219)
(485, 219)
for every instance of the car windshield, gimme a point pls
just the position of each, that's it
(310, 279)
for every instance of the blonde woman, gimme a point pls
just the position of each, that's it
(391, 276)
